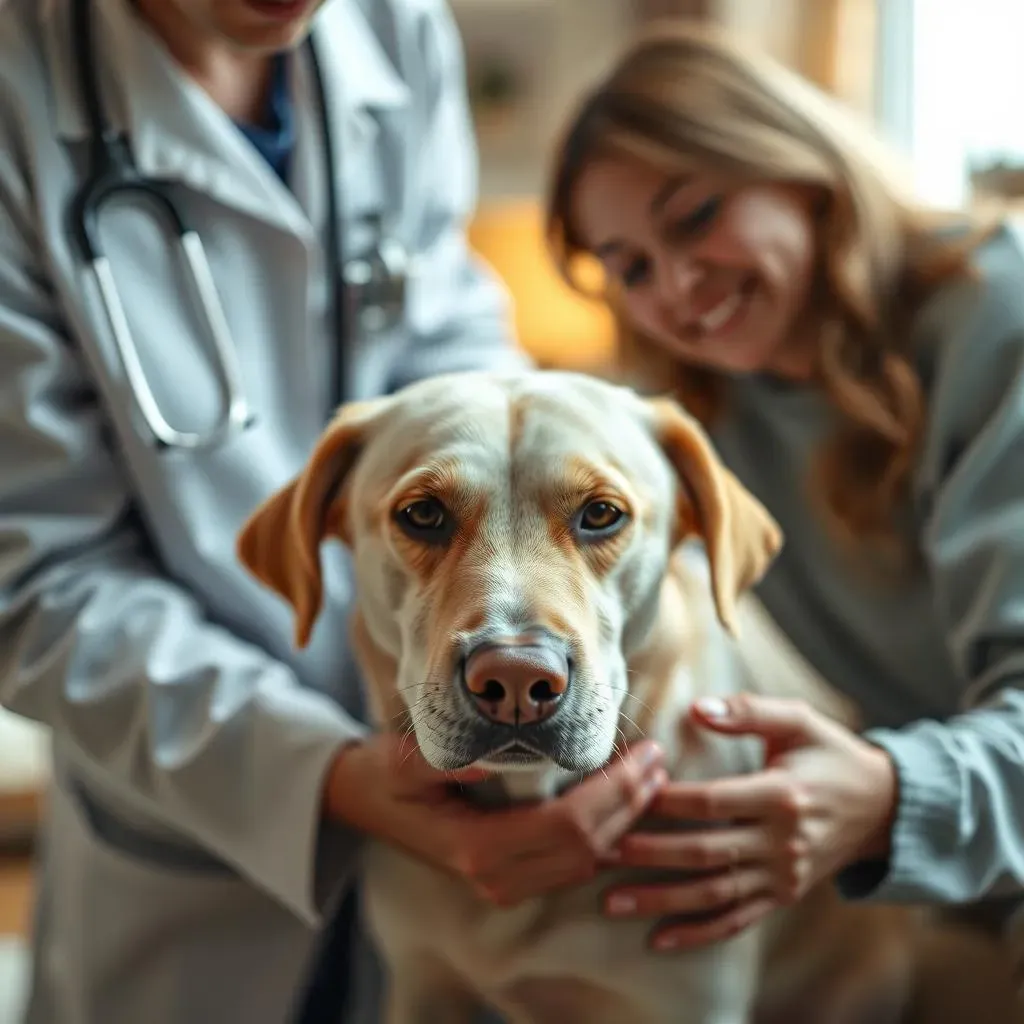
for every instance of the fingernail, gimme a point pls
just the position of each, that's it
(665, 942)
(612, 856)
(621, 903)
(654, 783)
(713, 707)
(651, 755)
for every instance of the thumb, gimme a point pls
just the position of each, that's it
(791, 723)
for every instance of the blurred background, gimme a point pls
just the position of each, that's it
(941, 79)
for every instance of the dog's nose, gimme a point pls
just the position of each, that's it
(516, 685)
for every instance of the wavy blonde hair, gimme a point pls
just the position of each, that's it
(686, 95)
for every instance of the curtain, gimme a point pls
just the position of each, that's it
(838, 48)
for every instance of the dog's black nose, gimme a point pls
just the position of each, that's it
(517, 685)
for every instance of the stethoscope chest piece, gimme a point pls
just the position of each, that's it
(377, 285)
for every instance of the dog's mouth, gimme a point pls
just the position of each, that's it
(516, 748)
(569, 739)
(518, 755)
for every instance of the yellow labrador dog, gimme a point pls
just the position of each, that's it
(525, 602)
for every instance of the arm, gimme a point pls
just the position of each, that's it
(958, 834)
(164, 710)
(460, 315)
(929, 813)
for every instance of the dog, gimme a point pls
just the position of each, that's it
(548, 565)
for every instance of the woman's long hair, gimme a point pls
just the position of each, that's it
(685, 96)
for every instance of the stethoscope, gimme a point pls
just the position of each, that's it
(370, 290)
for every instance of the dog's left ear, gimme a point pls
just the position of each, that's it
(739, 533)
(280, 542)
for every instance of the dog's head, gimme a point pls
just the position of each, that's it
(510, 536)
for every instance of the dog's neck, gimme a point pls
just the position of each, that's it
(521, 786)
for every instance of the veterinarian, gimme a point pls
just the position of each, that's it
(860, 363)
(218, 219)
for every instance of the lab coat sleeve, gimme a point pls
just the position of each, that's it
(959, 831)
(203, 734)
(460, 314)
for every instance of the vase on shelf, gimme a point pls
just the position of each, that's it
(495, 98)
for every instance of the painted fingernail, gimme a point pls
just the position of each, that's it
(651, 755)
(612, 856)
(664, 942)
(713, 707)
(654, 782)
(621, 903)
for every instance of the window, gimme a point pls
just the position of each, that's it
(951, 89)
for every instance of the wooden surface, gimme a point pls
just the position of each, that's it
(15, 895)
(557, 327)
(19, 815)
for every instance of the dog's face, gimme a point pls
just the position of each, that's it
(510, 536)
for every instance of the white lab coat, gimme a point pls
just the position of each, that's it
(184, 869)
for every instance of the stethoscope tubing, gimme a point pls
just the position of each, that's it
(112, 172)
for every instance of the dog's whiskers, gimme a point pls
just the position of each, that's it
(632, 696)
(631, 722)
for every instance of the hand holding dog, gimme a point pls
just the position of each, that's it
(824, 799)
(384, 787)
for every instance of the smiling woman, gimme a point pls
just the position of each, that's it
(859, 360)
(717, 276)
(747, 225)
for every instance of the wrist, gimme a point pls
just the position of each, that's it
(883, 793)
(343, 788)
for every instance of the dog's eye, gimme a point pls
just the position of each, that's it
(425, 518)
(600, 517)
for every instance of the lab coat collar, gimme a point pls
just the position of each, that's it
(193, 140)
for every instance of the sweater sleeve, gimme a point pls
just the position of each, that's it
(959, 831)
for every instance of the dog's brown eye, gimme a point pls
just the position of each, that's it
(425, 518)
(600, 516)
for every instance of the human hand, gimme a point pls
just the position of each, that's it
(382, 786)
(824, 799)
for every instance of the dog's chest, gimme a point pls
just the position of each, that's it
(692, 753)
(506, 954)
(565, 937)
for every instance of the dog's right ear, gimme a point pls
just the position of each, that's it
(280, 542)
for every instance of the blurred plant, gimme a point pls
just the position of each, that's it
(494, 86)
(999, 176)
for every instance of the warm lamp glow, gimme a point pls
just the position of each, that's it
(555, 326)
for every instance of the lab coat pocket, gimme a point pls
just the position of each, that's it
(154, 930)
(136, 844)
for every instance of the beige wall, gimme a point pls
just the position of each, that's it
(832, 42)
(561, 46)
(771, 24)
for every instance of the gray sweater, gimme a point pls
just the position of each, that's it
(936, 662)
